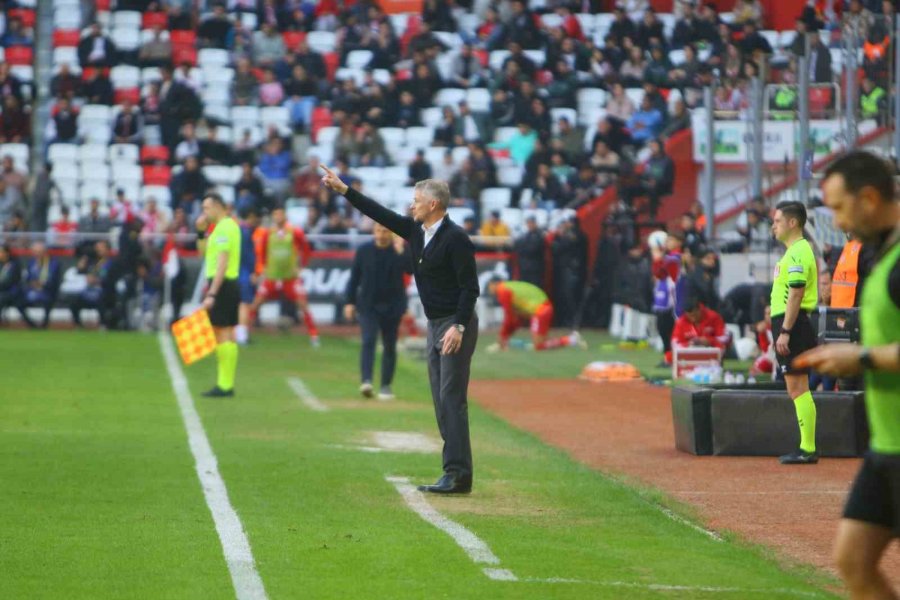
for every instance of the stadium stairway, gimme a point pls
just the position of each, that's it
(43, 60)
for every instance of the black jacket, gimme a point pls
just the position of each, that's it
(378, 270)
(445, 271)
(10, 275)
(530, 249)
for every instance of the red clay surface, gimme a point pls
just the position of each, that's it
(626, 428)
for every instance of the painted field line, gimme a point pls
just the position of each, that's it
(661, 587)
(471, 544)
(305, 395)
(764, 493)
(235, 545)
(678, 519)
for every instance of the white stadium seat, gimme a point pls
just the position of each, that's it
(359, 59)
(321, 41)
(65, 55)
(495, 199)
(419, 137)
(210, 58)
(58, 153)
(126, 38)
(124, 153)
(125, 76)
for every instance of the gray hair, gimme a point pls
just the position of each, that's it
(436, 190)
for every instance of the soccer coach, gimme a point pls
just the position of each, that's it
(444, 268)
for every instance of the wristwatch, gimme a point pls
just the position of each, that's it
(460, 328)
(865, 359)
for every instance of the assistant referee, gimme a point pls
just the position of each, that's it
(222, 249)
(859, 188)
(795, 292)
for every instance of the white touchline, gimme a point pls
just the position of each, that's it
(683, 521)
(474, 546)
(305, 395)
(676, 588)
(235, 545)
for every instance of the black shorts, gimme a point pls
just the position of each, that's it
(803, 338)
(224, 312)
(875, 495)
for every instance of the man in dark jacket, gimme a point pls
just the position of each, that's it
(634, 281)
(569, 262)
(656, 180)
(177, 104)
(703, 280)
(377, 296)
(10, 279)
(96, 50)
(530, 248)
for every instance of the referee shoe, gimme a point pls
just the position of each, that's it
(799, 457)
(218, 392)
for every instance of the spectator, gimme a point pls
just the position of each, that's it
(872, 100)
(622, 27)
(482, 165)
(64, 120)
(569, 139)
(562, 90)
(491, 32)
(438, 16)
(15, 124)
(42, 189)
(694, 238)
(632, 70)
(548, 191)
(300, 91)
(584, 185)
(40, 284)
(95, 295)
(189, 76)
(619, 105)
(271, 92)
(605, 162)
(685, 74)
(726, 103)
(611, 132)
(465, 186)
(703, 281)
(249, 193)
(679, 120)
(93, 221)
(275, 167)
(65, 84)
(466, 71)
(601, 68)
(748, 11)
(188, 146)
(244, 86)
(658, 67)
(154, 220)
(335, 226)
(371, 147)
(311, 60)
(520, 144)
(244, 149)
(425, 81)
(177, 104)
(156, 51)
(11, 202)
(494, 227)
(753, 42)
(188, 186)
(699, 326)
(212, 150)
(179, 19)
(646, 123)
(9, 83)
(268, 46)
(180, 226)
(650, 31)
(128, 127)
(16, 34)
(308, 179)
(97, 88)
(819, 60)
(449, 131)
(419, 169)
(633, 281)
(656, 180)
(502, 109)
(215, 29)
(521, 27)
(530, 249)
(858, 20)
(10, 280)
(756, 231)
(96, 50)
(685, 32)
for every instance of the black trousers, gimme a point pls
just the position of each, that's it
(372, 321)
(665, 325)
(449, 378)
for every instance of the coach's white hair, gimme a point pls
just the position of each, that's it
(436, 190)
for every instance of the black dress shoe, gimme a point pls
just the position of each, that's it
(450, 483)
(218, 392)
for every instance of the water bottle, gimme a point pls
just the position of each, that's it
(729, 378)
(739, 379)
(751, 380)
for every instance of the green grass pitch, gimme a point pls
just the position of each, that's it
(99, 497)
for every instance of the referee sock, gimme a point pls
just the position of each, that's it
(806, 417)
(227, 354)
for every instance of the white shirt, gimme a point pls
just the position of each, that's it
(431, 230)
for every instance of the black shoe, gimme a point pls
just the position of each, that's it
(799, 457)
(450, 483)
(218, 392)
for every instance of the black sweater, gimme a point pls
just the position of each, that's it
(376, 279)
(444, 271)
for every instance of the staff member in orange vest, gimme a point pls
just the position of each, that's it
(849, 274)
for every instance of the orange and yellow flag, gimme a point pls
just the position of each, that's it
(194, 336)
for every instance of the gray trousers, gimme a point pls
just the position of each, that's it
(449, 378)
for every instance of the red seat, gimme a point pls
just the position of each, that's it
(821, 100)
(102, 5)
(184, 54)
(157, 175)
(183, 37)
(19, 55)
(321, 117)
(152, 154)
(133, 95)
(155, 19)
(332, 60)
(66, 37)
(292, 39)
(26, 15)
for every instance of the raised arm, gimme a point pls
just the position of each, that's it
(402, 226)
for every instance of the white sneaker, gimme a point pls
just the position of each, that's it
(493, 348)
(576, 342)
(385, 394)
(314, 341)
(367, 390)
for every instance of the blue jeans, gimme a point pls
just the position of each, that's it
(371, 321)
(301, 109)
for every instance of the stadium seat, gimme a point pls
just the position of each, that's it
(65, 55)
(538, 57)
(126, 38)
(19, 55)
(157, 175)
(292, 39)
(124, 153)
(211, 58)
(297, 215)
(324, 152)
(495, 199)
(370, 176)
(786, 38)
(321, 41)
(458, 214)
(450, 97)
(24, 73)
(219, 111)
(92, 189)
(359, 59)
(65, 169)
(151, 154)
(161, 193)
(153, 19)
(497, 58)
(125, 76)
(245, 114)
(502, 134)
(636, 95)
(478, 99)
(19, 153)
(94, 171)
(227, 193)
(419, 137)
(131, 19)
(221, 175)
(327, 135)
(591, 98)
(392, 136)
(509, 176)
(249, 20)
(66, 37)
(216, 94)
(570, 114)
(123, 173)
(60, 153)
(467, 22)
(449, 39)
(183, 37)
(275, 115)
(394, 176)
(513, 218)
(218, 76)
(432, 116)
(69, 191)
(67, 17)
(551, 20)
(132, 95)
(459, 154)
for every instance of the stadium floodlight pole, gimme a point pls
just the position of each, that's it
(804, 157)
(851, 83)
(896, 92)
(709, 162)
(756, 125)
